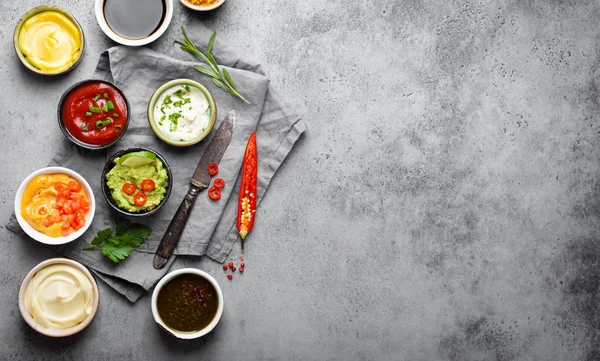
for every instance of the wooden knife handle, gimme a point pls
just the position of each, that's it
(175, 229)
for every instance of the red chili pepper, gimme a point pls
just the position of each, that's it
(148, 185)
(213, 169)
(139, 199)
(128, 188)
(247, 197)
(214, 193)
(219, 183)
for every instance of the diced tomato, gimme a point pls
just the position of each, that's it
(64, 218)
(42, 211)
(67, 209)
(48, 221)
(66, 229)
(76, 197)
(58, 186)
(57, 218)
(64, 192)
(74, 186)
(75, 206)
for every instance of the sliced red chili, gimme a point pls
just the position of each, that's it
(213, 169)
(219, 183)
(148, 185)
(214, 193)
(139, 199)
(247, 196)
(128, 188)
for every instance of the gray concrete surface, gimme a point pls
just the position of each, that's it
(444, 204)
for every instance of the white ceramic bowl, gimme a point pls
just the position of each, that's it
(187, 335)
(200, 7)
(99, 10)
(39, 236)
(51, 331)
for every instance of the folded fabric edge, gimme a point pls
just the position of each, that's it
(131, 291)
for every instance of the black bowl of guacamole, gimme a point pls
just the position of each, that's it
(119, 178)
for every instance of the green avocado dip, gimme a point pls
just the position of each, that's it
(124, 175)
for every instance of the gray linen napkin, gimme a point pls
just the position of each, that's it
(211, 227)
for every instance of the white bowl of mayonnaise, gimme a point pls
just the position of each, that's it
(58, 297)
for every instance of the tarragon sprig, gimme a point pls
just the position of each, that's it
(220, 76)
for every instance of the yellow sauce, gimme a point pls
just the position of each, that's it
(59, 296)
(38, 200)
(50, 41)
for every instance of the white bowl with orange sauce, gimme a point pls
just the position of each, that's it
(49, 210)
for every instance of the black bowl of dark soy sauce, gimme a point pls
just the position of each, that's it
(134, 22)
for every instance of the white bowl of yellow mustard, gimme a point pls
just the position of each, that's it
(48, 40)
(54, 205)
(58, 297)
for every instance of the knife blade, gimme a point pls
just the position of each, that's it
(200, 180)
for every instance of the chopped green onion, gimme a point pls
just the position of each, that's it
(163, 117)
(117, 128)
(179, 93)
(102, 123)
(96, 97)
(88, 114)
(167, 100)
(94, 109)
(105, 107)
(187, 88)
(84, 127)
(110, 104)
(162, 110)
(174, 118)
(116, 115)
(105, 95)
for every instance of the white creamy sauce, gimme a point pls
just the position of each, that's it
(182, 113)
(59, 296)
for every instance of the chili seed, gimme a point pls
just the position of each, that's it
(230, 276)
(224, 267)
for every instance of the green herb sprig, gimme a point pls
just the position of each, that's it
(220, 76)
(118, 247)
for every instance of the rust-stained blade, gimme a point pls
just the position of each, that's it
(214, 152)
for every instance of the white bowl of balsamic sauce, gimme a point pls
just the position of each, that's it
(134, 22)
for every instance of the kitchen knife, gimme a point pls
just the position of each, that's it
(200, 180)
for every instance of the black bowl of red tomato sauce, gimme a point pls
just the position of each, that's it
(93, 114)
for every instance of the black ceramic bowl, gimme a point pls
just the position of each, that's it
(106, 191)
(66, 132)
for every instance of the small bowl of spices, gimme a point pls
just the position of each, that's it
(187, 303)
(202, 5)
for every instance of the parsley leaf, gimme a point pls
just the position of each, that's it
(122, 227)
(116, 253)
(118, 247)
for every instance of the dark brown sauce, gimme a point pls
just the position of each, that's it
(134, 19)
(187, 303)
